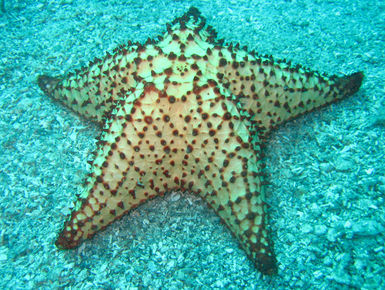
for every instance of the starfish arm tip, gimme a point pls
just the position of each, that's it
(351, 83)
(267, 264)
(47, 84)
(66, 241)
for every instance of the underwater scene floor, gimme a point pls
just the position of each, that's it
(326, 169)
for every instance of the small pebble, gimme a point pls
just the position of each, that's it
(320, 229)
(307, 229)
(367, 228)
(332, 235)
(344, 165)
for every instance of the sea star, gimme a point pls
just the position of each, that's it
(187, 112)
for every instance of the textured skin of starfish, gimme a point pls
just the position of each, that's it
(187, 112)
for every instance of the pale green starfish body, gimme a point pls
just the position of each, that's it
(186, 112)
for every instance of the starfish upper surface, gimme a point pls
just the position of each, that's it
(186, 112)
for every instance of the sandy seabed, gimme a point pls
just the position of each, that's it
(327, 169)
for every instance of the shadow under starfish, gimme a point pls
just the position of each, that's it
(187, 112)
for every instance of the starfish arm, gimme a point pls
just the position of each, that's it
(92, 90)
(101, 201)
(238, 197)
(275, 91)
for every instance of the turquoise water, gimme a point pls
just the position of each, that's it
(326, 168)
